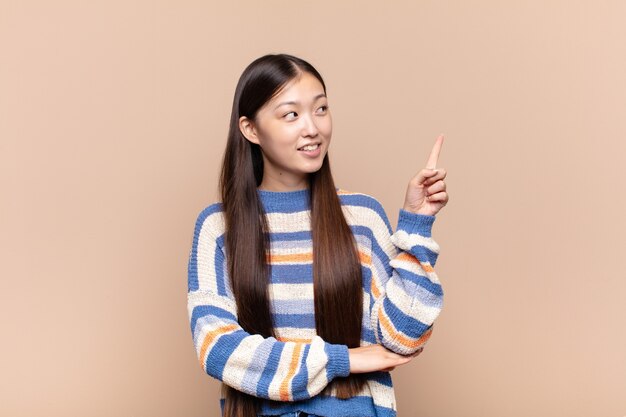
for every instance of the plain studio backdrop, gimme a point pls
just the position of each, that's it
(113, 120)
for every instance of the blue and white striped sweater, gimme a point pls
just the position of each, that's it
(402, 298)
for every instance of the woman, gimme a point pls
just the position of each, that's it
(300, 298)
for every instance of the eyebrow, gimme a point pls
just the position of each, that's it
(295, 102)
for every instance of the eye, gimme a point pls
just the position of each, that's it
(324, 108)
(286, 114)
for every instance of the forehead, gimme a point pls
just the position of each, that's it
(302, 88)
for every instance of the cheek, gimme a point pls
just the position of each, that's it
(276, 137)
(280, 144)
(326, 126)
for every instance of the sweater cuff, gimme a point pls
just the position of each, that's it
(415, 223)
(338, 360)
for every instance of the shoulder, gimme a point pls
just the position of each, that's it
(366, 206)
(358, 199)
(210, 219)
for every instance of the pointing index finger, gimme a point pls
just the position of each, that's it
(434, 153)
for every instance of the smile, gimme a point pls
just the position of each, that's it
(311, 151)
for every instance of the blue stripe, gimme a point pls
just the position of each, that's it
(221, 351)
(364, 200)
(408, 325)
(415, 223)
(367, 334)
(219, 261)
(290, 236)
(292, 273)
(420, 281)
(405, 274)
(206, 310)
(359, 405)
(259, 359)
(192, 268)
(284, 202)
(377, 250)
(303, 321)
(301, 379)
(382, 377)
(367, 285)
(424, 254)
(270, 370)
(426, 297)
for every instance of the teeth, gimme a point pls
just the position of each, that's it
(310, 147)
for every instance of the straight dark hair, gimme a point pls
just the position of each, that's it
(337, 278)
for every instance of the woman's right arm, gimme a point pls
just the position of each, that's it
(377, 358)
(259, 366)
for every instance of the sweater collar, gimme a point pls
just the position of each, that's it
(285, 201)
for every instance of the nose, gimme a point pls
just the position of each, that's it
(310, 127)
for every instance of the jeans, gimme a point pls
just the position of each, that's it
(292, 414)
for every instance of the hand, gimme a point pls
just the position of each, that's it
(376, 358)
(391, 368)
(426, 191)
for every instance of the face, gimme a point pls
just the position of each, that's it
(297, 116)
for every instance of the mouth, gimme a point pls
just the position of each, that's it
(309, 148)
(311, 151)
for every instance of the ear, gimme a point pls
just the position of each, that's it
(248, 130)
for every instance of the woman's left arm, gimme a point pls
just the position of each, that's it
(407, 295)
(407, 292)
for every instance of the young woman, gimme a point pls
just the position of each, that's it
(301, 299)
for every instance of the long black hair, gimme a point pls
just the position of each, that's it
(336, 263)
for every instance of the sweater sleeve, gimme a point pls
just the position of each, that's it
(259, 366)
(406, 292)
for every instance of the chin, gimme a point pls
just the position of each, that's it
(316, 167)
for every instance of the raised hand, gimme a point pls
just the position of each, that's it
(426, 192)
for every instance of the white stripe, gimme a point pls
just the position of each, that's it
(411, 306)
(382, 395)
(291, 291)
(402, 239)
(207, 245)
(289, 222)
(415, 268)
(240, 360)
(295, 333)
(283, 370)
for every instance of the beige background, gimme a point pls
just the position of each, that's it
(113, 118)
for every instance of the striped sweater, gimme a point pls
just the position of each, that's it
(402, 296)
